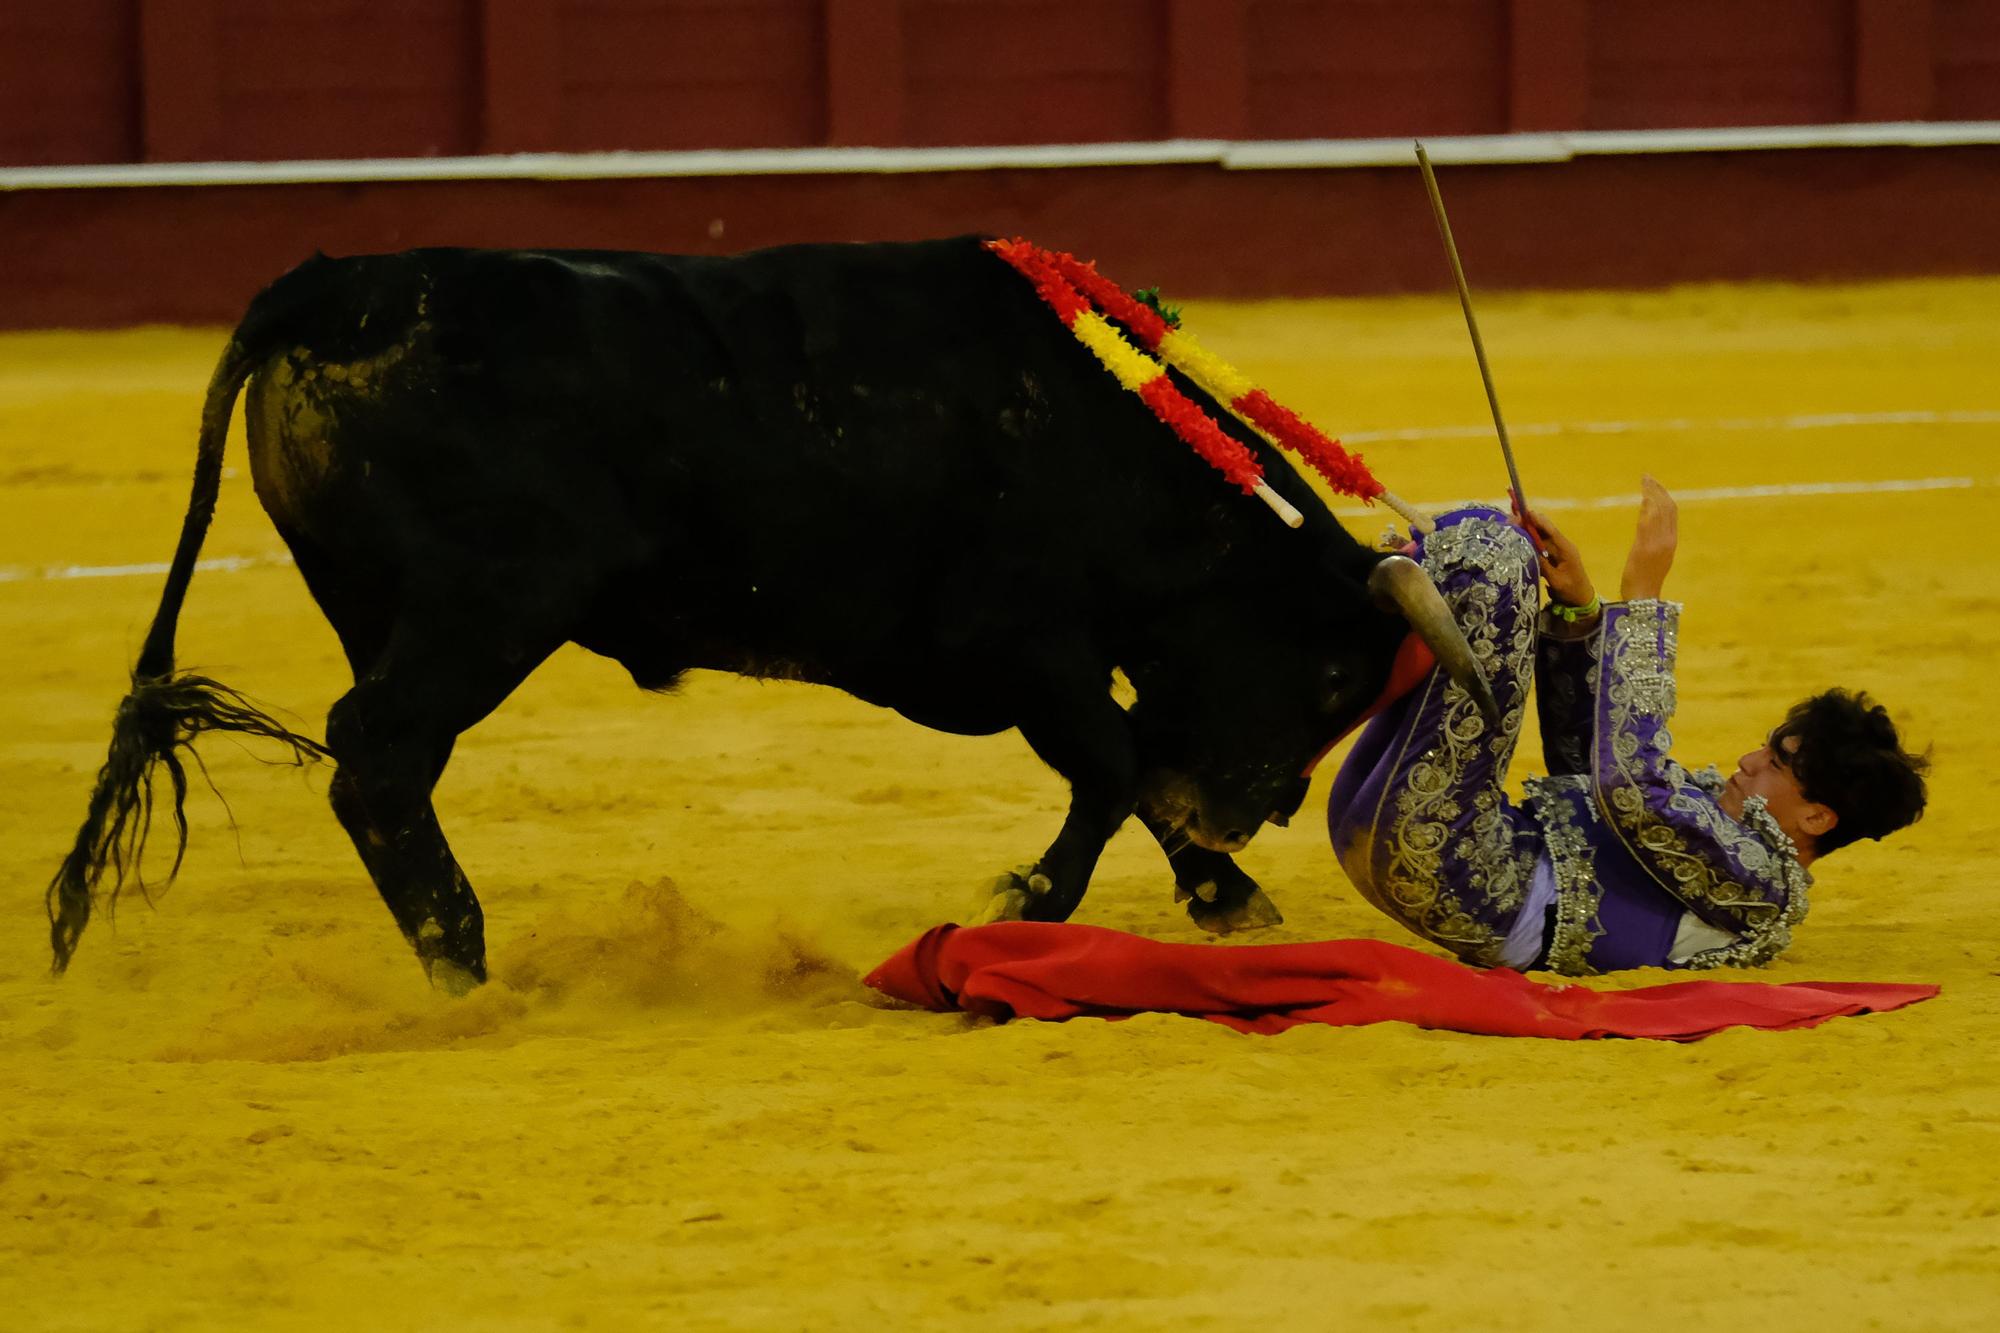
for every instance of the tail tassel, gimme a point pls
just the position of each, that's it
(160, 718)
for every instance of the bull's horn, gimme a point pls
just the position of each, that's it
(1399, 584)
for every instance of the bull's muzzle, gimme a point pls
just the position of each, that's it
(1399, 584)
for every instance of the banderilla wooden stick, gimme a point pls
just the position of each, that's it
(1279, 505)
(1471, 324)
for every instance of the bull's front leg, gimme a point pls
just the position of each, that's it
(1085, 736)
(1220, 896)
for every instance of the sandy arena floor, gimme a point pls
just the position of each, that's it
(676, 1107)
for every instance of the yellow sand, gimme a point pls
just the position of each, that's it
(677, 1108)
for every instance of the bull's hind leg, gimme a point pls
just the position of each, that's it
(391, 736)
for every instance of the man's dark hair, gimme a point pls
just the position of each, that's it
(1850, 759)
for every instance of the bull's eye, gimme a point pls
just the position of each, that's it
(1333, 683)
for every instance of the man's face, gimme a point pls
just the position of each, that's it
(1767, 772)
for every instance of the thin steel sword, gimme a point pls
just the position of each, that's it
(1471, 324)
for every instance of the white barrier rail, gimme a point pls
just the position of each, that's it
(1246, 155)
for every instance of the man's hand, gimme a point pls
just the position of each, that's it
(1652, 553)
(1562, 564)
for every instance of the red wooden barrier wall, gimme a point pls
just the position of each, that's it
(69, 82)
(196, 255)
(195, 80)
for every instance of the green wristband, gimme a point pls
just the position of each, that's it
(1572, 614)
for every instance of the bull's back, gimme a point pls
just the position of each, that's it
(881, 369)
(774, 443)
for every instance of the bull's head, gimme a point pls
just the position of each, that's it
(1252, 689)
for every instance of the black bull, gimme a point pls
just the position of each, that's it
(885, 468)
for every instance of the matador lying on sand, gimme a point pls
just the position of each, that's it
(1620, 857)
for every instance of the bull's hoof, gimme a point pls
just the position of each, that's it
(1225, 915)
(1007, 897)
(446, 973)
(452, 979)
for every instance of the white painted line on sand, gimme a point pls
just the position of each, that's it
(1553, 504)
(1672, 425)
(223, 564)
(1699, 495)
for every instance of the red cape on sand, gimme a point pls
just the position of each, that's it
(1032, 969)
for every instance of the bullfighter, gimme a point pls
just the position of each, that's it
(1620, 857)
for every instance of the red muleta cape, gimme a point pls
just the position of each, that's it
(1031, 969)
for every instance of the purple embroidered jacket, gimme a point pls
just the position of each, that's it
(1635, 839)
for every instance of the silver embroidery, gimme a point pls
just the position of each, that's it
(1647, 643)
(1709, 778)
(1413, 887)
(1761, 946)
(1578, 892)
(1640, 690)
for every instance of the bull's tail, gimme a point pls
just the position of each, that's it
(164, 712)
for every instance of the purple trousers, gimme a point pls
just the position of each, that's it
(1418, 817)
